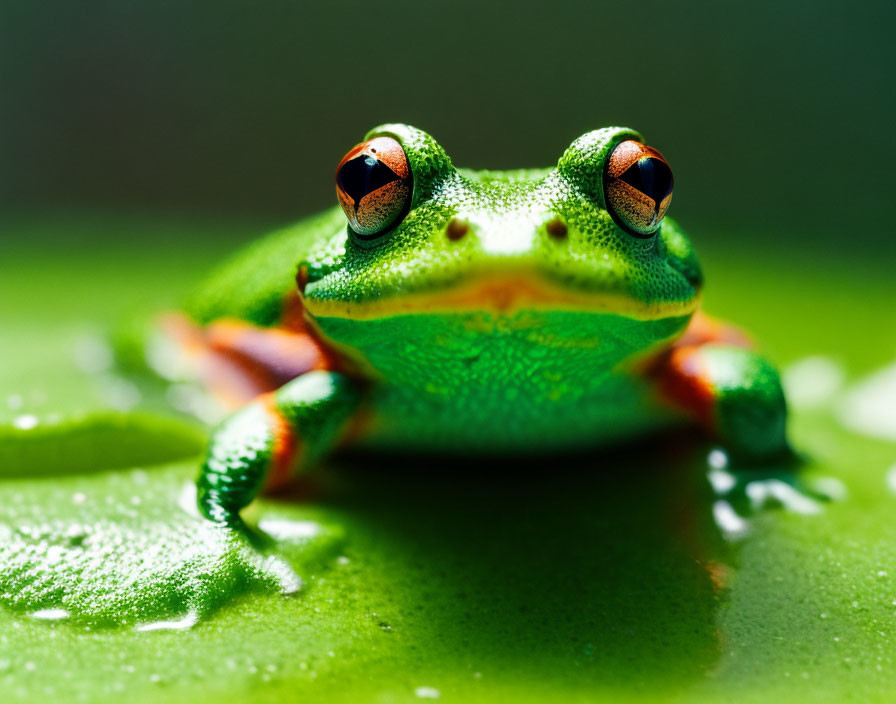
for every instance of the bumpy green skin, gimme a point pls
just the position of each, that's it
(750, 410)
(242, 448)
(473, 374)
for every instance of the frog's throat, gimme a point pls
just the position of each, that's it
(501, 296)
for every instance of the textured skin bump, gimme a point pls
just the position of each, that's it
(240, 453)
(429, 162)
(305, 418)
(583, 163)
(318, 406)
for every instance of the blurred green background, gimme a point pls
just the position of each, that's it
(776, 116)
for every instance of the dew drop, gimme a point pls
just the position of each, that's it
(25, 422)
(427, 693)
(289, 530)
(813, 381)
(774, 491)
(732, 525)
(187, 621)
(50, 614)
(717, 458)
(870, 406)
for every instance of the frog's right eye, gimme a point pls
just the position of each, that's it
(374, 184)
(637, 187)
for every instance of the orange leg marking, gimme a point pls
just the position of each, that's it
(286, 446)
(703, 329)
(238, 361)
(682, 377)
(684, 381)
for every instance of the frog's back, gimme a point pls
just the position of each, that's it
(255, 285)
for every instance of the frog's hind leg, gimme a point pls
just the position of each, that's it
(713, 376)
(236, 361)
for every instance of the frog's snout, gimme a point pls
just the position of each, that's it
(458, 227)
(506, 236)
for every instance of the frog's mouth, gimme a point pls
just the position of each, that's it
(505, 296)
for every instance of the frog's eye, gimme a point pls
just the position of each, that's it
(637, 187)
(373, 185)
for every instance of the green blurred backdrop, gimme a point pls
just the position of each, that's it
(777, 117)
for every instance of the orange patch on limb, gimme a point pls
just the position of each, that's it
(277, 354)
(704, 328)
(684, 381)
(238, 361)
(285, 449)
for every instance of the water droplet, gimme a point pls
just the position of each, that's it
(119, 393)
(813, 381)
(830, 488)
(280, 529)
(427, 693)
(721, 481)
(891, 479)
(25, 422)
(732, 525)
(765, 491)
(717, 458)
(187, 621)
(92, 353)
(50, 614)
(870, 406)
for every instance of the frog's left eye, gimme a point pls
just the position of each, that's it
(373, 185)
(637, 187)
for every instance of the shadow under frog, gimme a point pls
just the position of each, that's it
(609, 562)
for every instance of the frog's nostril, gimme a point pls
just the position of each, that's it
(556, 228)
(457, 228)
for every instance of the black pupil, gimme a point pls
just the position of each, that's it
(652, 177)
(363, 175)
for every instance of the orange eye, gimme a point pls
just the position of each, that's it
(637, 187)
(373, 185)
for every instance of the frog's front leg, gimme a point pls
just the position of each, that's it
(263, 444)
(734, 393)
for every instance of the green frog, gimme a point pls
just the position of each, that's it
(445, 310)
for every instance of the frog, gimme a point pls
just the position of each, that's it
(451, 312)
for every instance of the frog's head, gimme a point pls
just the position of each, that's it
(578, 251)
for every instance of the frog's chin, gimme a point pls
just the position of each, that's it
(505, 297)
